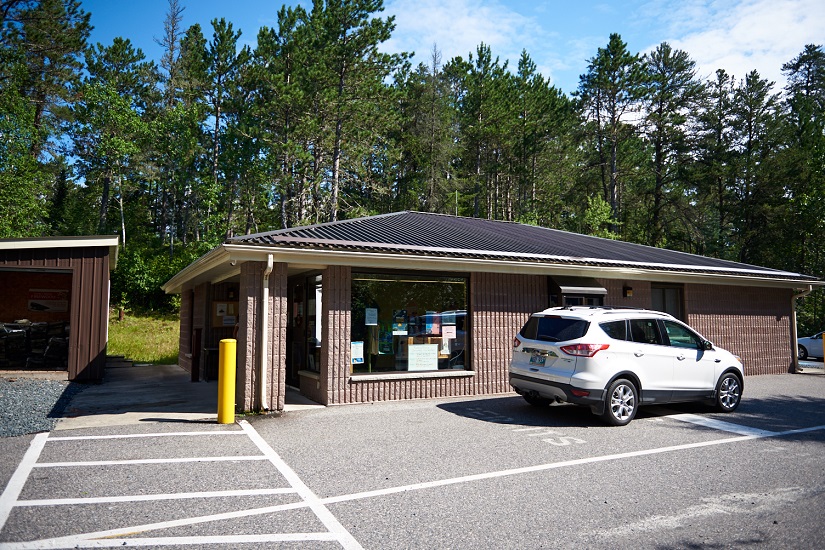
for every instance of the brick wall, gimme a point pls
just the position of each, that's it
(615, 289)
(500, 305)
(753, 323)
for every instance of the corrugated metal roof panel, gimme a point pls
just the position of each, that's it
(421, 233)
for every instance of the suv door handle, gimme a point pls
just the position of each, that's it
(638, 354)
(680, 357)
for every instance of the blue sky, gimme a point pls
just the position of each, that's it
(560, 35)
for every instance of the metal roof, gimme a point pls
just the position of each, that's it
(425, 234)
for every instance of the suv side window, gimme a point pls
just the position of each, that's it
(553, 328)
(645, 331)
(530, 328)
(681, 337)
(615, 329)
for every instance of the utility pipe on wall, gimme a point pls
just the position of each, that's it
(264, 337)
(794, 335)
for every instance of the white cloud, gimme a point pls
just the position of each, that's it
(742, 36)
(458, 27)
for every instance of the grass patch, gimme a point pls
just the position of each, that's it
(145, 338)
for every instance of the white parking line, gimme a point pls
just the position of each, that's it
(555, 465)
(720, 425)
(133, 436)
(316, 505)
(336, 531)
(20, 476)
(117, 537)
(148, 461)
(145, 498)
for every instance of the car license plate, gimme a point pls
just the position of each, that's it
(537, 359)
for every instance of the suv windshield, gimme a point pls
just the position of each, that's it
(554, 329)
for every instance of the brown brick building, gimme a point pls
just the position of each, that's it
(413, 305)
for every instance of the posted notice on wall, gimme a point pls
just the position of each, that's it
(422, 357)
(48, 300)
(356, 350)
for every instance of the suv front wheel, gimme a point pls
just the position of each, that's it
(728, 393)
(620, 403)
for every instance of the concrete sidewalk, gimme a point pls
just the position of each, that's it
(140, 393)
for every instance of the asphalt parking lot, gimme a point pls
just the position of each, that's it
(490, 472)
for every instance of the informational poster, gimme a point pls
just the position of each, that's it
(399, 322)
(371, 316)
(448, 331)
(433, 323)
(226, 314)
(48, 300)
(357, 353)
(422, 357)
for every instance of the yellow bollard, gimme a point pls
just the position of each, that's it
(226, 381)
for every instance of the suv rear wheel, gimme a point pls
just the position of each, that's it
(621, 403)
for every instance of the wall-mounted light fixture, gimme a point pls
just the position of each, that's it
(627, 292)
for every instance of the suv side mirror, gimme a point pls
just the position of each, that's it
(706, 346)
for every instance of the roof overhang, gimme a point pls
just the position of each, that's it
(224, 262)
(108, 241)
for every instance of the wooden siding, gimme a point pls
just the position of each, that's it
(753, 323)
(89, 302)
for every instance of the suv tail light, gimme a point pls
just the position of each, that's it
(516, 342)
(584, 350)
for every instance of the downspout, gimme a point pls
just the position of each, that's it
(264, 338)
(794, 335)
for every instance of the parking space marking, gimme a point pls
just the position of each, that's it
(15, 486)
(713, 423)
(144, 498)
(134, 436)
(316, 505)
(148, 461)
(125, 536)
(556, 465)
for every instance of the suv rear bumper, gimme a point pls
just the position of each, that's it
(556, 391)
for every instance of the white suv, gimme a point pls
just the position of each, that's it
(614, 359)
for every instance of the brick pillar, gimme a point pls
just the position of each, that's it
(249, 296)
(249, 321)
(335, 353)
(276, 371)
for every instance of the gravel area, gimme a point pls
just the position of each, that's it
(31, 405)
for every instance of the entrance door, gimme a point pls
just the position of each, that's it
(295, 330)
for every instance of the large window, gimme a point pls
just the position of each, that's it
(408, 323)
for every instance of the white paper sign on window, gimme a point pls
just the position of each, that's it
(371, 316)
(448, 331)
(357, 353)
(422, 357)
